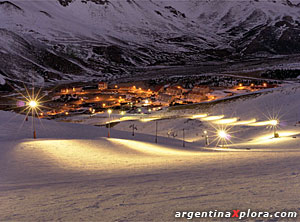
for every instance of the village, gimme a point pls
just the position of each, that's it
(136, 98)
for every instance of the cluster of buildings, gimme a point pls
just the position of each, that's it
(131, 98)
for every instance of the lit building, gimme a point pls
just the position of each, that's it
(174, 90)
(198, 94)
(166, 98)
(102, 85)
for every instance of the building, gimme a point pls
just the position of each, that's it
(196, 97)
(174, 90)
(166, 98)
(159, 89)
(71, 90)
(198, 94)
(102, 85)
(263, 86)
(201, 89)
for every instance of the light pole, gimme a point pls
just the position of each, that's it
(183, 139)
(133, 128)
(274, 123)
(223, 136)
(206, 138)
(109, 112)
(33, 104)
(156, 131)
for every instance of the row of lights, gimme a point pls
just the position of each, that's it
(222, 134)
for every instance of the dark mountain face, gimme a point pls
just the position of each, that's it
(67, 2)
(82, 40)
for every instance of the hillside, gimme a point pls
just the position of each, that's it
(47, 41)
(74, 172)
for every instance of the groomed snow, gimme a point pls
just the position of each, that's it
(73, 172)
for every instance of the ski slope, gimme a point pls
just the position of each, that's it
(73, 172)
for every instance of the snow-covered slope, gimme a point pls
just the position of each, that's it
(69, 39)
(74, 172)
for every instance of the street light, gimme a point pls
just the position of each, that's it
(274, 124)
(206, 138)
(33, 105)
(133, 128)
(223, 136)
(109, 112)
(156, 129)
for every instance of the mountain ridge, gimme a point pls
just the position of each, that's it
(73, 40)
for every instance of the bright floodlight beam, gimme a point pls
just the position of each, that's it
(33, 105)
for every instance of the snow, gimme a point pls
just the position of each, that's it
(74, 172)
(126, 20)
(2, 80)
(131, 25)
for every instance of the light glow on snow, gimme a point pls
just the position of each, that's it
(149, 148)
(246, 122)
(264, 123)
(284, 136)
(149, 119)
(198, 116)
(226, 121)
(212, 118)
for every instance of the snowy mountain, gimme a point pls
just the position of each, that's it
(46, 41)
